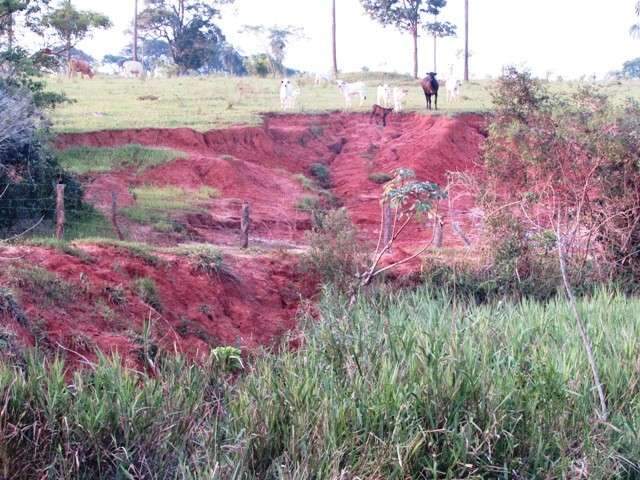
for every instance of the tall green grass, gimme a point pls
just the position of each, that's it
(410, 385)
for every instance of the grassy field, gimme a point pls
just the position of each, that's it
(205, 103)
(406, 386)
(81, 160)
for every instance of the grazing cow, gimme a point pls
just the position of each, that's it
(384, 95)
(430, 88)
(288, 94)
(399, 94)
(322, 78)
(453, 88)
(131, 69)
(349, 90)
(80, 66)
(380, 112)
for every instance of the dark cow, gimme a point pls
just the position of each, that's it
(380, 112)
(81, 67)
(430, 88)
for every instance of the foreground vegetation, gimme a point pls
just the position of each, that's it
(204, 103)
(406, 386)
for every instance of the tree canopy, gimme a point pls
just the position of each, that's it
(631, 69)
(188, 26)
(277, 40)
(71, 25)
(406, 15)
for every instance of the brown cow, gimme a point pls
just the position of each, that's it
(430, 88)
(380, 112)
(80, 66)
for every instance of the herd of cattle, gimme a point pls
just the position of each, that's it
(388, 99)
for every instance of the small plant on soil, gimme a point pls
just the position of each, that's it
(205, 259)
(305, 181)
(147, 290)
(320, 172)
(380, 177)
(116, 295)
(228, 359)
(41, 283)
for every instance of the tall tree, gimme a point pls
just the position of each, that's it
(188, 26)
(635, 28)
(135, 30)
(437, 30)
(466, 40)
(71, 25)
(406, 15)
(334, 48)
(277, 40)
(10, 9)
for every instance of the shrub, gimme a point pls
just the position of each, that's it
(147, 290)
(562, 163)
(321, 173)
(29, 171)
(335, 253)
(43, 284)
(380, 178)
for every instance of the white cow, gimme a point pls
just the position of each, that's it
(384, 95)
(399, 94)
(322, 78)
(350, 90)
(288, 94)
(131, 69)
(453, 87)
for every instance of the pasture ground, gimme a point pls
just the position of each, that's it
(205, 103)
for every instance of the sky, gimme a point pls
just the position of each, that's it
(568, 38)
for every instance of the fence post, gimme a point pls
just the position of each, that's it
(114, 215)
(60, 211)
(245, 223)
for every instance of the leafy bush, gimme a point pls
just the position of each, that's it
(335, 253)
(321, 173)
(567, 164)
(28, 170)
(148, 292)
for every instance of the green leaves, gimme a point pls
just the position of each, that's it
(409, 196)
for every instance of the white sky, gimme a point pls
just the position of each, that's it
(566, 37)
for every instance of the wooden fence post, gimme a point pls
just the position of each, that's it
(114, 215)
(245, 223)
(60, 211)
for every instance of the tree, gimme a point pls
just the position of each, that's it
(277, 40)
(334, 50)
(188, 26)
(72, 25)
(466, 40)
(406, 15)
(9, 9)
(439, 30)
(631, 69)
(135, 30)
(635, 28)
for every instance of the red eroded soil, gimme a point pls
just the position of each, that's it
(100, 304)
(258, 164)
(262, 165)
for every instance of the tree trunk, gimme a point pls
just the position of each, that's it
(60, 211)
(10, 30)
(135, 31)
(387, 224)
(435, 53)
(333, 44)
(414, 33)
(245, 225)
(466, 40)
(69, 55)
